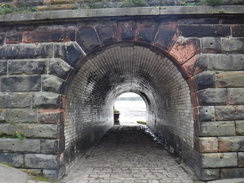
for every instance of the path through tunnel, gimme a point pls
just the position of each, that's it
(127, 68)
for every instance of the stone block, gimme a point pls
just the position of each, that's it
(241, 159)
(236, 96)
(20, 83)
(239, 127)
(218, 160)
(210, 45)
(2, 39)
(70, 52)
(126, 30)
(49, 36)
(52, 83)
(27, 67)
(54, 174)
(49, 146)
(204, 30)
(222, 62)
(232, 173)
(205, 80)
(87, 38)
(184, 49)
(206, 113)
(225, 128)
(49, 116)
(13, 159)
(209, 174)
(212, 96)
(17, 145)
(165, 36)
(237, 31)
(146, 33)
(18, 116)
(3, 67)
(14, 37)
(41, 161)
(229, 112)
(231, 144)
(46, 100)
(208, 144)
(230, 79)
(107, 34)
(232, 45)
(26, 51)
(31, 130)
(12, 100)
(59, 68)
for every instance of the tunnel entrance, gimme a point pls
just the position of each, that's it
(132, 109)
(117, 69)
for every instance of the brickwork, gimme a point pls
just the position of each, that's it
(58, 82)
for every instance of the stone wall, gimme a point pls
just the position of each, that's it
(59, 79)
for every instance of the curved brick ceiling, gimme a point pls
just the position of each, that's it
(124, 68)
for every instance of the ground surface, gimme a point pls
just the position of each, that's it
(128, 155)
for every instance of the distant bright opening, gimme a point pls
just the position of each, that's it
(132, 109)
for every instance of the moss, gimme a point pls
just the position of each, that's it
(142, 122)
(16, 135)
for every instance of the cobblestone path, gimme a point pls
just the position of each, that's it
(128, 155)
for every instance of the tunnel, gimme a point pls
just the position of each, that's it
(106, 74)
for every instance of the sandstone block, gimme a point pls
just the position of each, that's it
(49, 146)
(27, 67)
(212, 96)
(229, 112)
(232, 45)
(18, 116)
(2, 38)
(208, 144)
(14, 159)
(230, 79)
(52, 83)
(205, 80)
(231, 144)
(211, 45)
(87, 38)
(12, 100)
(46, 100)
(107, 34)
(41, 161)
(236, 96)
(240, 127)
(209, 174)
(20, 83)
(218, 160)
(3, 67)
(237, 31)
(70, 52)
(59, 68)
(232, 173)
(241, 159)
(49, 117)
(17, 145)
(126, 30)
(206, 113)
(54, 174)
(226, 128)
(204, 31)
(14, 38)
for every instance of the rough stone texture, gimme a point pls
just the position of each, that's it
(232, 45)
(206, 113)
(241, 159)
(229, 112)
(211, 45)
(26, 67)
(209, 174)
(232, 172)
(205, 80)
(231, 144)
(17, 145)
(236, 96)
(18, 115)
(226, 128)
(217, 160)
(20, 83)
(13, 159)
(47, 116)
(208, 144)
(12, 100)
(230, 79)
(212, 96)
(46, 100)
(59, 68)
(240, 127)
(52, 84)
(3, 67)
(49, 146)
(41, 161)
(238, 31)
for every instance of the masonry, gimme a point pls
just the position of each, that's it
(61, 72)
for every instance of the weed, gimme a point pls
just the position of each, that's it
(211, 2)
(16, 135)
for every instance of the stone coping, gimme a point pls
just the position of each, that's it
(113, 12)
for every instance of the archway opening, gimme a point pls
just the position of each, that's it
(132, 109)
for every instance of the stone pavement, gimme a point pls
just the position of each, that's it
(128, 155)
